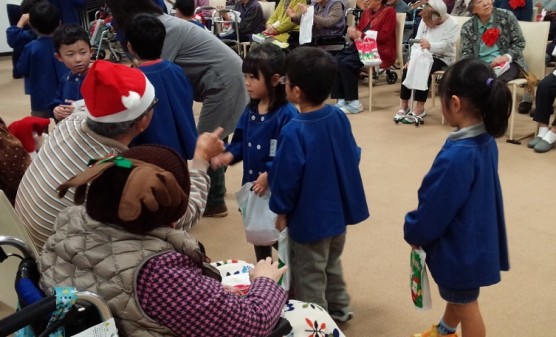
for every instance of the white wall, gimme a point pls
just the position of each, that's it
(4, 23)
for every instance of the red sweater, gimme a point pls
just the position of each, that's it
(383, 21)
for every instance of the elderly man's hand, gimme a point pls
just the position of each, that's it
(209, 144)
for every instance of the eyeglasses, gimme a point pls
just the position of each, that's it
(284, 80)
(153, 104)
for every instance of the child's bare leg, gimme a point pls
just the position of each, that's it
(469, 315)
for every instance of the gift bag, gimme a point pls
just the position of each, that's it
(306, 26)
(418, 69)
(419, 281)
(284, 258)
(258, 219)
(368, 49)
(501, 68)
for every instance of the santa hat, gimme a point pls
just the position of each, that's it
(25, 129)
(115, 93)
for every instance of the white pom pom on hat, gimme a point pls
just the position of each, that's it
(115, 93)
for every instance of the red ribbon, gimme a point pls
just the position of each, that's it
(490, 36)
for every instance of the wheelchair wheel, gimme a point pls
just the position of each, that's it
(391, 77)
(101, 54)
(115, 57)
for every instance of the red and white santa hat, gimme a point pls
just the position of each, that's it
(115, 93)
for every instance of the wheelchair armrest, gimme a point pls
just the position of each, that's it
(282, 328)
(27, 315)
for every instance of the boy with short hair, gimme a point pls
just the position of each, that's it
(37, 62)
(185, 9)
(315, 182)
(172, 124)
(73, 49)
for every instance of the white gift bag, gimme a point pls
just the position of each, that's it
(284, 258)
(419, 280)
(418, 69)
(259, 220)
(306, 26)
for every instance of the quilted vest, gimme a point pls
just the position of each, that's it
(104, 259)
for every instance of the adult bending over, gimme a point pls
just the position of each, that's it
(493, 35)
(438, 33)
(376, 16)
(154, 277)
(119, 102)
(213, 68)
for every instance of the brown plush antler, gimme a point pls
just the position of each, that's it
(81, 180)
(149, 186)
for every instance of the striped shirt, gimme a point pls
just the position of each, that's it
(65, 154)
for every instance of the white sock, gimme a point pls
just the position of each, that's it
(550, 137)
(542, 131)
(342, 101)
(527, 97)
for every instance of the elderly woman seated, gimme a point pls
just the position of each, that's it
(122, 245)
(494, 36)
(328, 17)
(438, 33)
(376, 16)
(279, 25)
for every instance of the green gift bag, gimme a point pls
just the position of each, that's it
(419, 281)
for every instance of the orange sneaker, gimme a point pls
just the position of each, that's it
(433, 332)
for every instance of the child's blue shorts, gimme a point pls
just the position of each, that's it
(459, 296)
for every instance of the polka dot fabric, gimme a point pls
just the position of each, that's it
(14, 160)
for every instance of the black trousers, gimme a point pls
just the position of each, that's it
(546, 92)
(347, 78)
(421, 95)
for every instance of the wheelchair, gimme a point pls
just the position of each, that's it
(37, 312)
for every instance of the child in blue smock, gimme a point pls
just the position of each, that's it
(316, 184)
(73, 49)
(37, 64)
(19, 33)
(255, 138)
(459, 221)
(172, 124)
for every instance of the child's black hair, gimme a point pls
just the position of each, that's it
(267, 60)
(186, 7)
(146, 34)
(44, 17)
(486, 96)
(313, 70)
(27, 4)
(69, 34)
(125, 10)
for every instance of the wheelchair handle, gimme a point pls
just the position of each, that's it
(17, 243)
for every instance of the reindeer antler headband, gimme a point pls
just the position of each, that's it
(146, 186)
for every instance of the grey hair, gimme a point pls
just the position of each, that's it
(113, 130)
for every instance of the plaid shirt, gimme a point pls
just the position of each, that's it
(172, 291)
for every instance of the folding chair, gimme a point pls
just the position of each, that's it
(536, 35)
